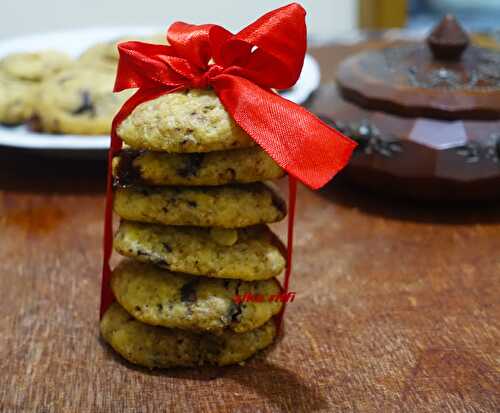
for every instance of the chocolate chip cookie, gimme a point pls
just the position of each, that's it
(159, 297)
(133, 166)
(252, 253)
(104, 55)
(78, 101)
(35, 66)
(230, 206)
(20, 77)
(187, 121)
(152, 346)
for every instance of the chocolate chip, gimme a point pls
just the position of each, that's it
(126, 172)
(160, 307)
(234, 311)
(167, 247)
(192, 204)
(232, 173)
(188, 291)
(191, 165)
(87, 106)
(35, 123)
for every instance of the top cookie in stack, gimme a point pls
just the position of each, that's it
(189, 189)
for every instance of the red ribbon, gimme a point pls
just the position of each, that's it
(241, 69)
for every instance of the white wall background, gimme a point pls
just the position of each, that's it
(17, 17)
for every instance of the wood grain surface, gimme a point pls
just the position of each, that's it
(397, 306)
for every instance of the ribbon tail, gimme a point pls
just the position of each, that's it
(106, 293)
(292, 200)
(297, 140)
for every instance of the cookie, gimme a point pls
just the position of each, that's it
(159, 297)
(16, 100)
(187, 121)
(35, 66)
(78, 101)
(161, 347)
(213, 168)
(20, 76)
(101, 56)
(219, 206)
(253, 254)
(104, 55)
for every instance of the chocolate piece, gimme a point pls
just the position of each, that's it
(34, 123)
(87, 106)
(188, 291)
(234, 312)
(191, 165)
(126, 173)
(236, 308)
(232, 174)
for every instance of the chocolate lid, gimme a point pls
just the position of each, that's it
(443, 78)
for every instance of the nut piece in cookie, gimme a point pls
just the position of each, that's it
(161, 347)
(257, 254)
(222, 206)
(159, 297)
(191, 169)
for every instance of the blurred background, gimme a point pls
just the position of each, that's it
(87, 33)
(326, 19)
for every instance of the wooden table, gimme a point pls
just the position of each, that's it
(397, 306)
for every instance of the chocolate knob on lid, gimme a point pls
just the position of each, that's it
(448, 39)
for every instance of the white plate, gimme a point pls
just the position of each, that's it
(75, 42)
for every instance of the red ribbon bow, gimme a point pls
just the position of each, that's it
(242, 69)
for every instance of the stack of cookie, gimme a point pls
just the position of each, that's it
(189, 190)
